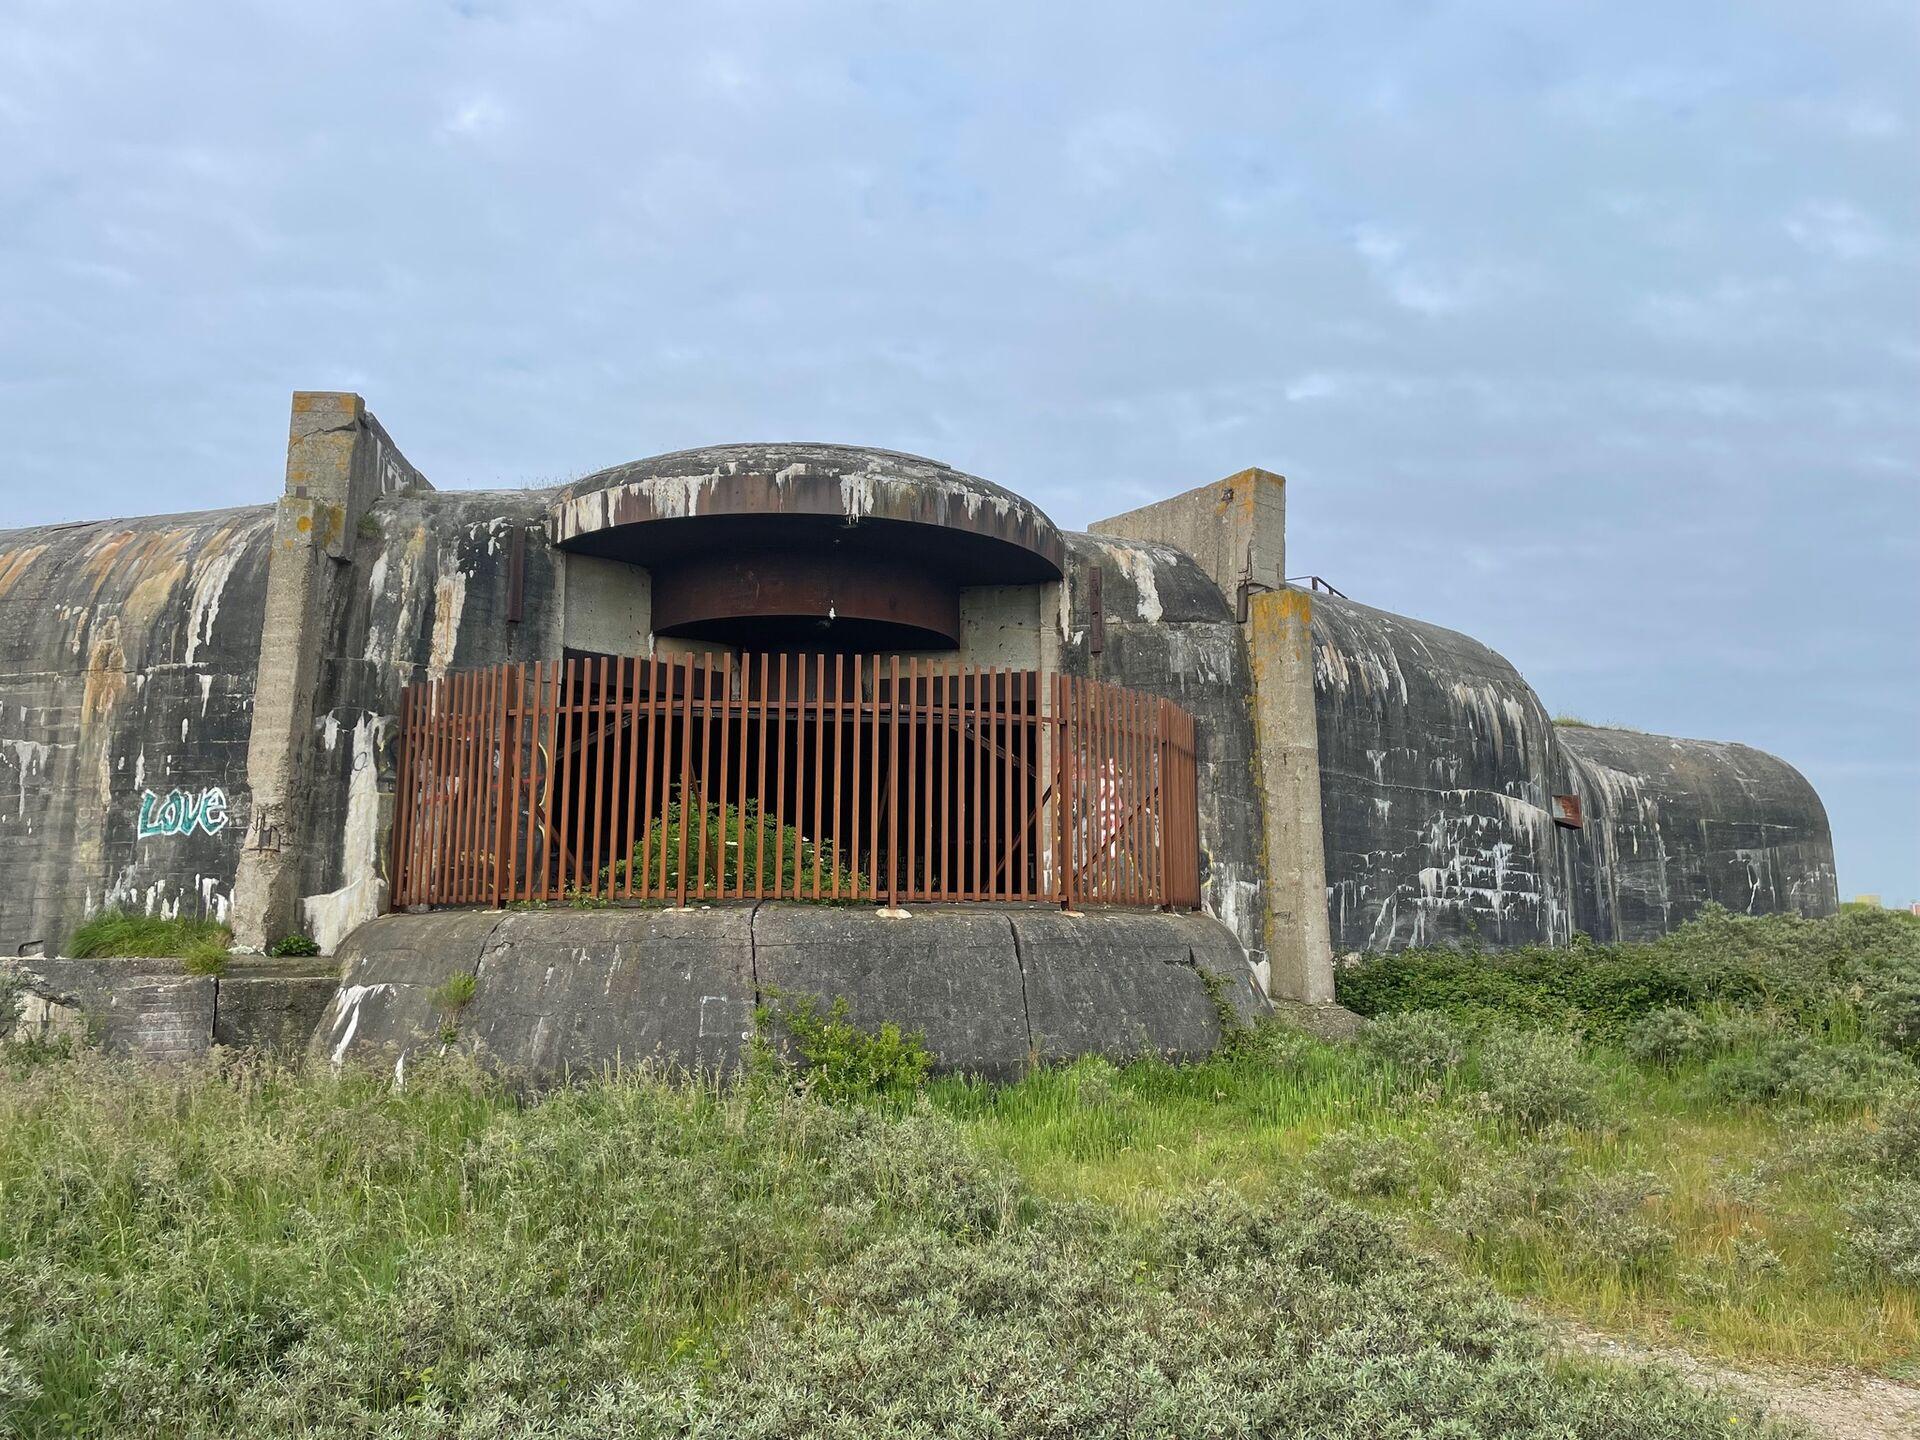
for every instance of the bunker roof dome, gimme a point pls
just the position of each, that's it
(724, 498)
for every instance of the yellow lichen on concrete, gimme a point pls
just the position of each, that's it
(16, 563)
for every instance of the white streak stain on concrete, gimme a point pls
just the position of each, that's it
(210, 575)
(351, 999)
(335, 915)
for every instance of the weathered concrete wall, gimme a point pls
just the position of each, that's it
(1235, 529)
(1438, 765)
(128, 651)
(428, 591)
(609, 605)
(1673, 824)
(993, 988)
(339, 462)
(153, 1009)
(1168, 631)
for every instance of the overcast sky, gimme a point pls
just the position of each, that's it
(1591, 330)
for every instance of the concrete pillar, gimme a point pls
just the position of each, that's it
(339, 460)
(1287, 736)
(1236, 530)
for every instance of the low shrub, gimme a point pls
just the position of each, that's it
(739, 841)
(1669, 1036)
(294, 945)
(1882, 1237)
(120, 935)
(1838, 974)
(1529, 1185)
(1797, 1067)
(1609, 1218)
(1425, 1044)
(1304, 1315)
(1536, 1078)
(1355, 1163)
(1895, 1144)
(1893, 1010)
(839, 1060)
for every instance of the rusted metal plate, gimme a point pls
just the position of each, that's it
(691, 597)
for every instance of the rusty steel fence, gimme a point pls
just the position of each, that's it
(708, 777)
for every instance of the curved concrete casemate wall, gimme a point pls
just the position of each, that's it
(198, 713)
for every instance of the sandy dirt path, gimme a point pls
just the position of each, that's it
(1841, 1404)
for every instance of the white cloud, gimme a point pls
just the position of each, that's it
(1836, 228)
(477, 117)
(1108, 150)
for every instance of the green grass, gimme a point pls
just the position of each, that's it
(1298, 1236)
(117, 934)
(257, 1250)
(1136, 1138)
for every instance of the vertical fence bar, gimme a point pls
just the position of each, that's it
(642, 853)
(459, 767)
(550, 846)
(924, 876)
(563, 757)
(630, 726)
(780, 782)
(854, 787)
(760, 793)
(790, 794)
(819, 832)
(524, 888)
(686, 769)
(663, 704)
(1029, 816)
(726, 761)
(457, 687)
(989, 717)
(911, 814)
(839, 741)
(442, 764)
(706, 755)
(1015, 819)
(506, 810)
(893, 786)
(599, 707)
(1063, 785)
(1124, 776)
(580, 717)
(481, 805)
(873, 791)
(942, 812)
(744, 684)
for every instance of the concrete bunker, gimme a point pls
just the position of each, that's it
(1358, 779)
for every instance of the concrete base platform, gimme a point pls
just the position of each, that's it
(153, 1008)
(995, 989)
